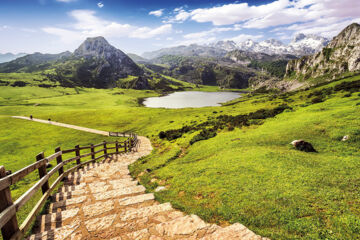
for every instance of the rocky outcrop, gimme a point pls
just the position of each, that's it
(341, 55)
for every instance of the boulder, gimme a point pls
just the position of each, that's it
(302, 145)
(345, 138)
(160, 188)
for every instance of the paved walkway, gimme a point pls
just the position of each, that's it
(84, 129)
(102, 201)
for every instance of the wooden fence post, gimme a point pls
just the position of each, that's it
(11, 227)
(92, 151)
(59, 160)
(105, 149)
(117, 146)
(42, 172)
(125, 145)
(77, 153)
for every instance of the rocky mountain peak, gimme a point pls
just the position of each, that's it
(341, 55)
(98, 47)
(349, 36)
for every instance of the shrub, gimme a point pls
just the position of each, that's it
(317, 100)
(19, 84)
(203, 135)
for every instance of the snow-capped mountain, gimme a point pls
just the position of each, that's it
(308, 44)
(301, 45)
(225, 45)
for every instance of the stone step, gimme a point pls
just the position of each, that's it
(75, 187)
(152, 215)
(55, 220)
(67, 204)
(235, 231)
(145, 212)
(59, 233)
(180, 227)
(128, 201)
(119, 193)
(68, 195)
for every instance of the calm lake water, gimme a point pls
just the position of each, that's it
(190, 99)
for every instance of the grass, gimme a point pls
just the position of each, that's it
(250, 175)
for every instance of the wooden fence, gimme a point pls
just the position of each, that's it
(8, 209)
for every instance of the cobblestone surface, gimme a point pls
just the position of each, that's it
(102, 201)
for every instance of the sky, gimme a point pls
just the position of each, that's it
(137, 26)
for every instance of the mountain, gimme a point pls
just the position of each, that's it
(136, 58)
(32, 62)
(95, 63)
(193, 50)
(307, 44)
(301, 45)
(341, 55)
(221, 72)
(246, 57)
(112, 62)
(225, 45)
(7, 57)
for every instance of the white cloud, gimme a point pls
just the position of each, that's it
(146, 32)
(209, 33)
(100, 5)
(324, 27)
(4, 27)
(315, 14)
(157, 13)
(202, 40)
(236, 12)
(87, 24)
(244, 37)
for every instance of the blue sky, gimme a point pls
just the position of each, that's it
(52, 26)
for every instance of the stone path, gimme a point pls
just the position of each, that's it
(102, 201)
(84, 129)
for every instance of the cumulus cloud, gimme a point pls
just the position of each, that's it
(244, 37)
(157, 13)
(146, 32)
(87, 24)
(209, 33)
(314, 14)
(100, 5)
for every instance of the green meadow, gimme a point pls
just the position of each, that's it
(249, 174)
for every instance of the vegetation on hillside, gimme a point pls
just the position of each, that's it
(247, 173)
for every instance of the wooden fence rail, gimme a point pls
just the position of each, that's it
(8, 209)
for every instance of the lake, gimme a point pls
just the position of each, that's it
(190, 99)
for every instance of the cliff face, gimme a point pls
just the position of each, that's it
(341, 55)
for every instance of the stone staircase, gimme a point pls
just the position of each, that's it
(102, 201)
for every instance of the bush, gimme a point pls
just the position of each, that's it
(317, 100)
(203, 135)
(19, 84)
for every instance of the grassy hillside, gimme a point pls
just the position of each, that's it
(248, 172)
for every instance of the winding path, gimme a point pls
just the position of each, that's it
(102, 201)
(84, 129)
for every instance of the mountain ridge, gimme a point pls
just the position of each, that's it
(300, 45)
